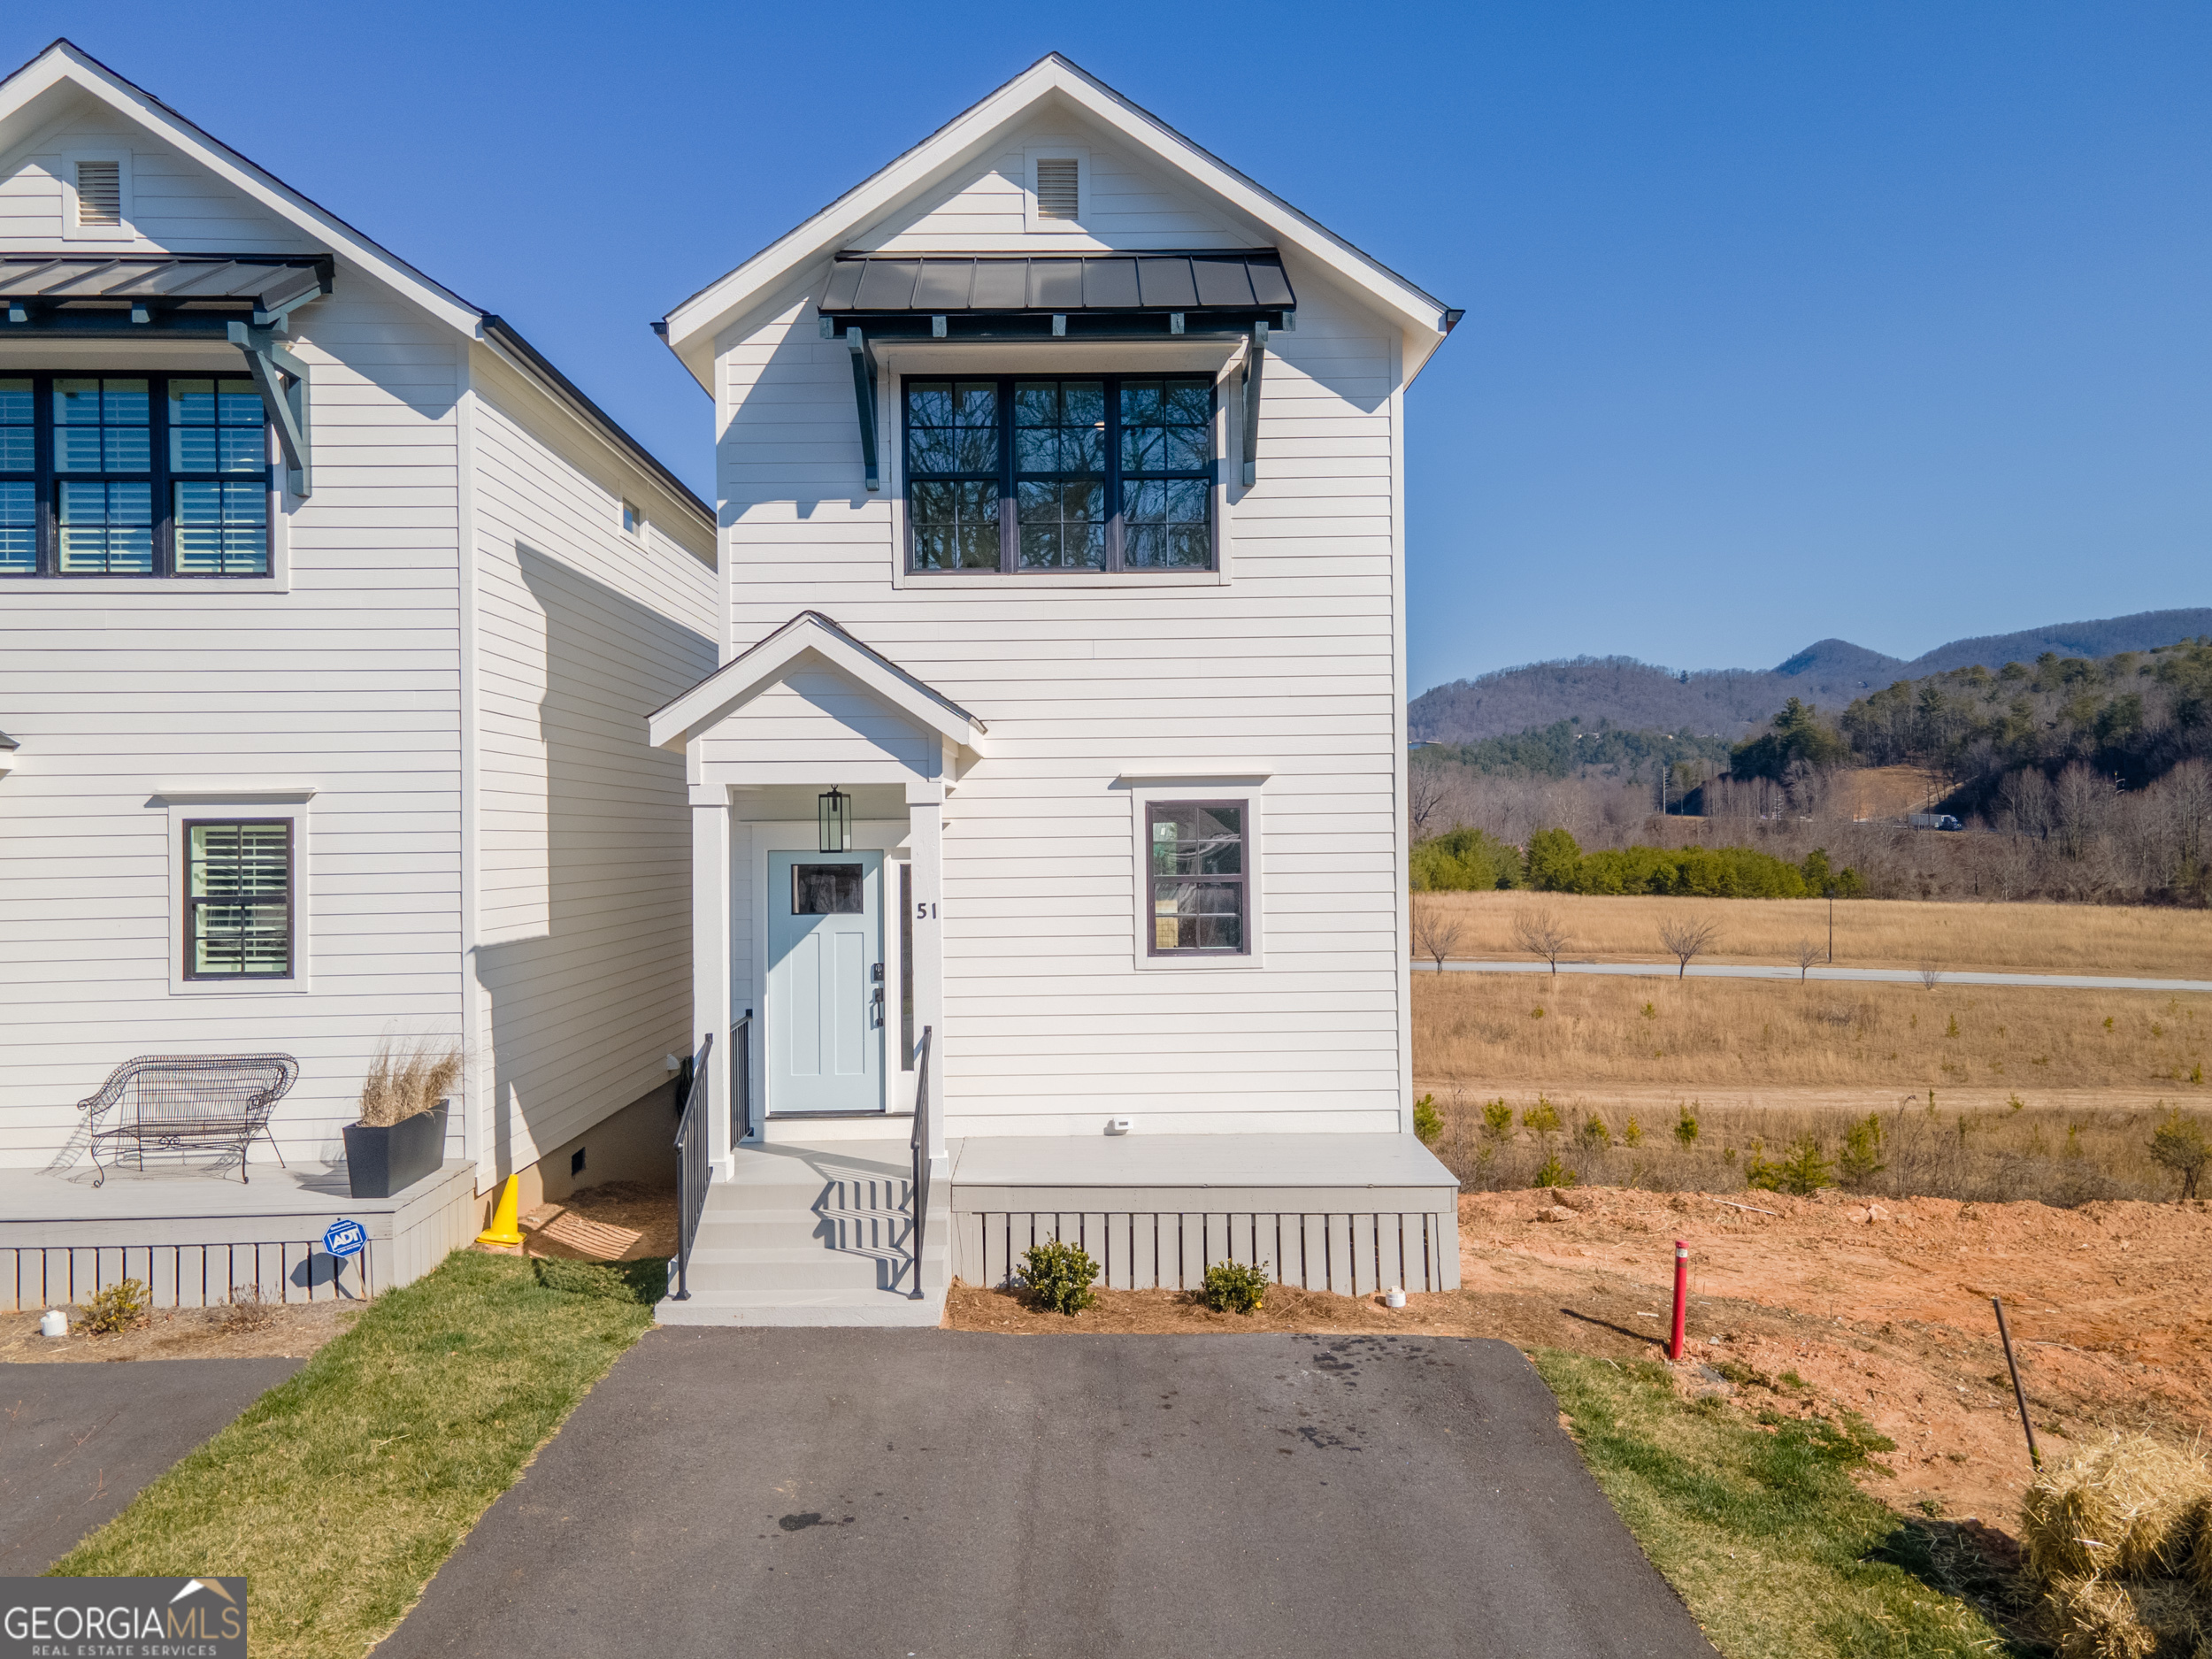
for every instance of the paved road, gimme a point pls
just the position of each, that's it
(941, 1493)
(78, 1441)
(1861, 976)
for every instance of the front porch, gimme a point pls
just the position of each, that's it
(193, 1236)
(823, 1233)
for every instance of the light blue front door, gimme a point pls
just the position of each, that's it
(826, 982)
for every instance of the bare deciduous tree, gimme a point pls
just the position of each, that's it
(1809, 952)
(1687, 938)
(1541, 934)
(1428, 788)
(1436, 930)
(1931, 976)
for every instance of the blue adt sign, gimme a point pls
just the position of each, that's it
(345, 1238)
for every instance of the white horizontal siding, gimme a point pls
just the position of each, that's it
(1127, 205)
(584, 859)
(178, 205)
(348, 682)
(1291, 667)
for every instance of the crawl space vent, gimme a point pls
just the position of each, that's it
(1056, 187)
(100, 193)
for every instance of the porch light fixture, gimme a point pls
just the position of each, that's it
(836, 811)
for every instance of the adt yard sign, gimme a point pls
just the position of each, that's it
(345, 1238)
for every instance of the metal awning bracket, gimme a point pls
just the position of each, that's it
(1255, 361)
(283, 379)
(864, 401)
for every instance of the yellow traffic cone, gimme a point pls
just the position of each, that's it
(504, 1233)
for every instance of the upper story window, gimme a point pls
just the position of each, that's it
(632, 519)
(1078, 474)
(133, 475)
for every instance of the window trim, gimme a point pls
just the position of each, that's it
(194, 905)
(161, 478)
(1244, 787)
(1008, 477)
(240, 803)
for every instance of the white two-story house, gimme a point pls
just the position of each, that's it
(1052, 776)
(329, 611)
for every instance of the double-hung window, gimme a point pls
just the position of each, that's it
(238, 894)
(1106, 473)
(133, 475)
(1201, 877)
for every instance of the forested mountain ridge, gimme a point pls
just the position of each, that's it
(1733, 703)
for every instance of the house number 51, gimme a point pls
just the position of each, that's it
(924, 912)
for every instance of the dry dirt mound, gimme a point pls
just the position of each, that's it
(1883, 1308)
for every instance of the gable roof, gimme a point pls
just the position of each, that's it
(64, 67)
(691, 327)
(747, 674)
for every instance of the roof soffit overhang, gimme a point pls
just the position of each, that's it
(809, 633)
(1053, 82)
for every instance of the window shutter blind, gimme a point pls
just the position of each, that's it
(1057, 187)
(99, 193)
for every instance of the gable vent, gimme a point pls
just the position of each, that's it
(1056, 187)
(99, 193)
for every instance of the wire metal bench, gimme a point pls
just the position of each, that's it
(172, 1103)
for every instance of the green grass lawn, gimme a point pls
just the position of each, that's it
(1762, 1530)
(340, 1491)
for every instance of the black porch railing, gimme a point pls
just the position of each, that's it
(742, 1080)
(695, 1160)
(921, 1188)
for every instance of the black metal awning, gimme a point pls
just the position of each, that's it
(1241, 292)
(83, 292)
(976, 294)
(245, 300)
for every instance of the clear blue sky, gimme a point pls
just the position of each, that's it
(1885, 320)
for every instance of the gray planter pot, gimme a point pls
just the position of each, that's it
(384, 1159)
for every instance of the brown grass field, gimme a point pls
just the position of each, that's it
(2122, 940)
(1989, 1093)
(1484, 1028)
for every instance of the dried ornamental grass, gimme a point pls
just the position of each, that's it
(2131, 1508)
(2102, 1618)
(408, 1078)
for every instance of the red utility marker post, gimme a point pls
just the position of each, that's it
(1681, 1295)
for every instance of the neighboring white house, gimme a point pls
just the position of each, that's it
(293, 538)
(1062, 471)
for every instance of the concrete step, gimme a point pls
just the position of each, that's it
(787, 1308)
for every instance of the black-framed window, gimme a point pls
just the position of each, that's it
(133, 475)
(238, 903)
(1201, 877)
(1068, 473)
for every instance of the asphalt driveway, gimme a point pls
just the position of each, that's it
(77, 1441)
(941, 1493)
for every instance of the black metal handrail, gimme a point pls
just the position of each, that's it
(921, 1188)
(691, 1150)
(741, 1078)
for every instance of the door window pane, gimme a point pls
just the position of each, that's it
(826, 890)
(107, 528)
(239, 888)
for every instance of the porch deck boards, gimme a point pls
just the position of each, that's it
(192, 1235)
